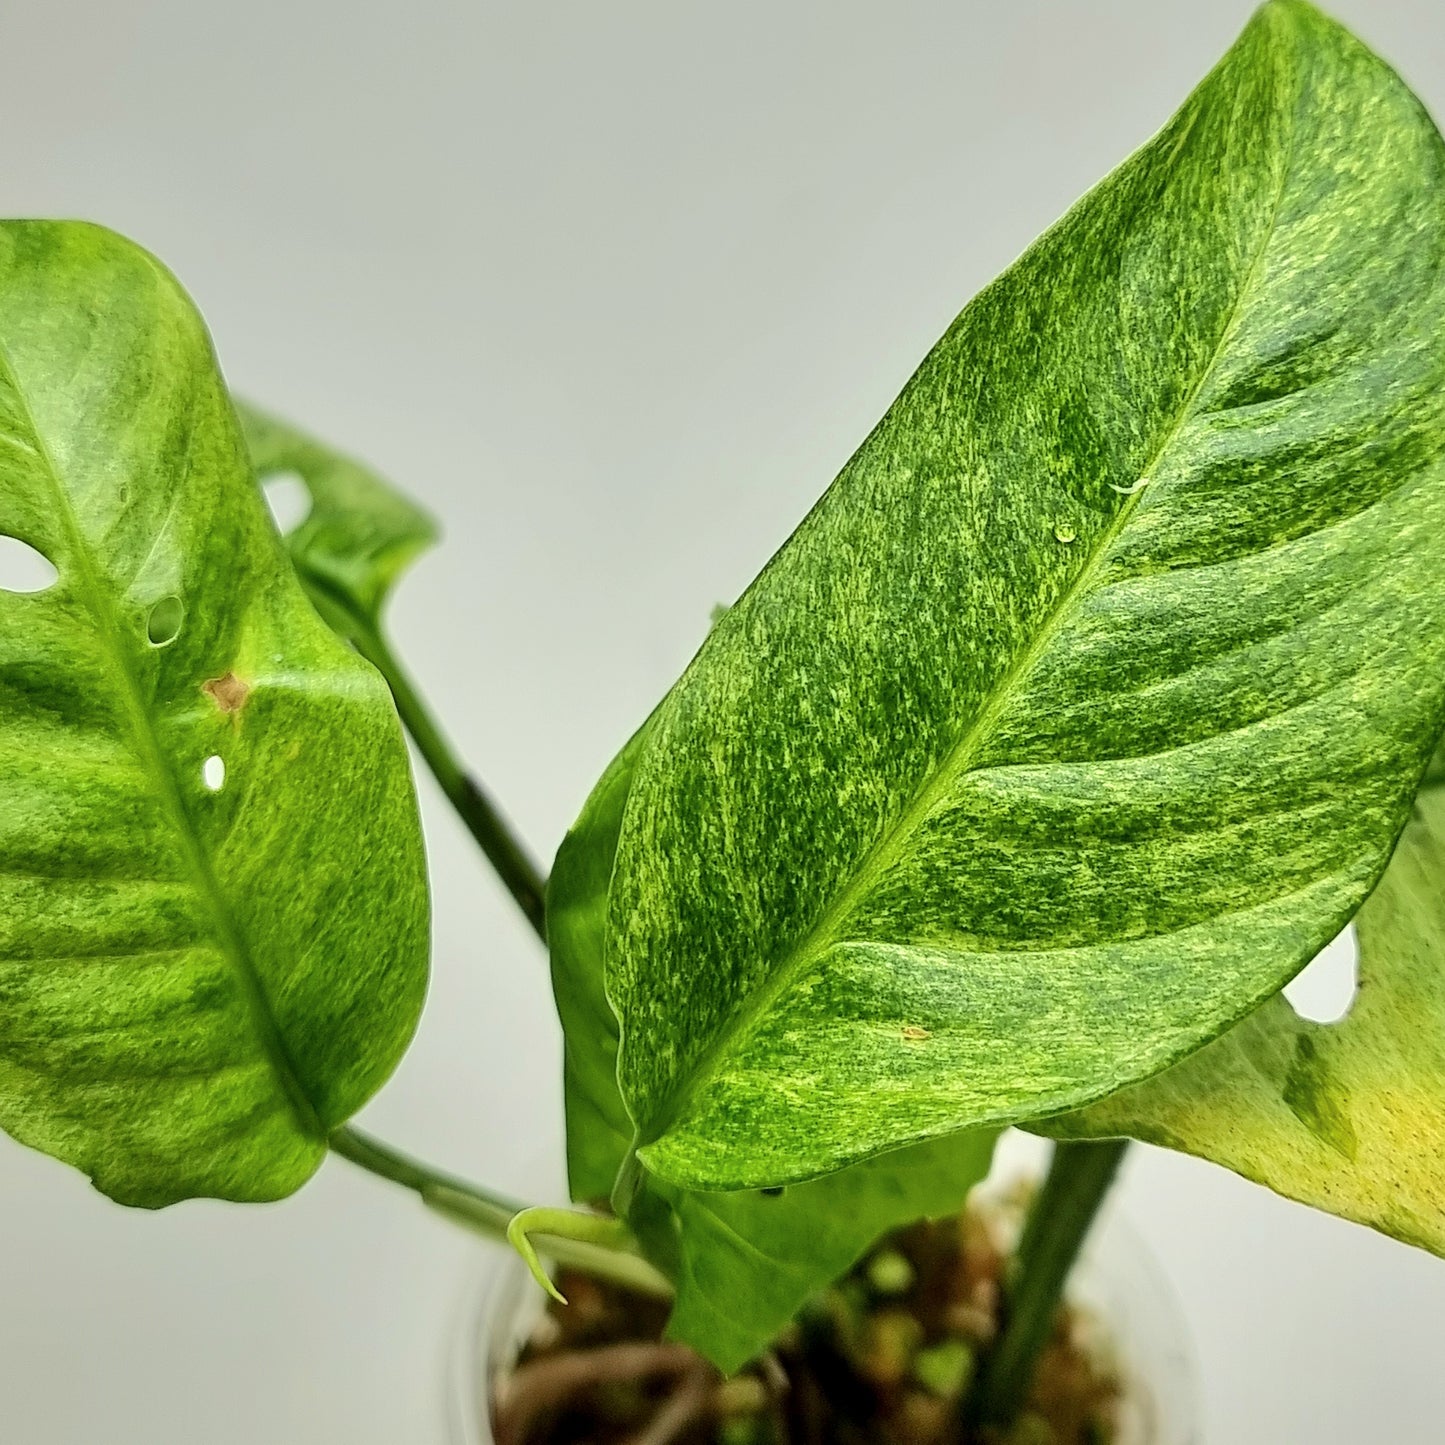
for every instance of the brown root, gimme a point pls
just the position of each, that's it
(543, 1381)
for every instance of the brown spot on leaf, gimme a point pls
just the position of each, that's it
(229, 693)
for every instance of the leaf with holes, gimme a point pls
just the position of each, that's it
(1350, 1116)
(1089, 702)
(213, 904)
(360, 533)
(743, 1263)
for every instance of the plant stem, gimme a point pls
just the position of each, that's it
(514, 866)
(1079, 1177)
(490, 1213)
(483, 1212)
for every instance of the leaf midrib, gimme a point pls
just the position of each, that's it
(883, 853)
(232, 945)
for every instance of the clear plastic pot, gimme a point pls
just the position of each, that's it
(1117, 1284)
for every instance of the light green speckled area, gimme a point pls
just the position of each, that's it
(195, 984)
(743, 1263)
(1347, 1116)
(1088, 703)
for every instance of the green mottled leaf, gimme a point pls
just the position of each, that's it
(745, 1262)
(1346, 1116)
(598, 1129)
(196, 983)
(1088, 703)
(360, 533)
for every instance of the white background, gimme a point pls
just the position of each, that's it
(615, 288)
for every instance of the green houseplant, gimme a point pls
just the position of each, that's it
(1094, 697)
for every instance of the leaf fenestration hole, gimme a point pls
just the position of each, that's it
(1324, 990)
(288, 499)
(23, 568)
(164, 621)
(213, 773)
